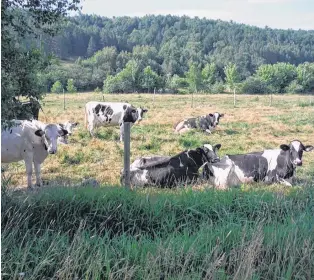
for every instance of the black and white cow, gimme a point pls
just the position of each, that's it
(170, 171)
(269, 166)
(69, 127)
(30, 141)
(99, 114)
(206, 123)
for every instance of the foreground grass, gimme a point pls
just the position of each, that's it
(113, 233)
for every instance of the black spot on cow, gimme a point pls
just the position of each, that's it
(24, 151)
(124, 107)
(105, 110)
(10, 131)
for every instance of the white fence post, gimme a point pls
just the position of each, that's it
(127, 154)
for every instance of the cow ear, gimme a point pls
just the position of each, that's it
(39, 132)
(284, 147)
(62, 132)
(145, 110)
(211, 115)
(76, 124)
(221, 115)
(308, 148)
(217, 147)
(61, 125)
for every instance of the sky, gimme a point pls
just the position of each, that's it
(294, 14)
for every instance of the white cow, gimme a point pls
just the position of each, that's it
(99, 114)
(30, 141)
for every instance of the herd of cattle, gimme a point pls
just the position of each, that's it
(32, 141)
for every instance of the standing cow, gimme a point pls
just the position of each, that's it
(205, 123)
(99, 114)
(170, 171)
(30, 141)
(269, 166)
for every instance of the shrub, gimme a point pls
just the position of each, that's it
(254, 85)
(70, 86)
(294, 87)
(217, 88)
(57, 87)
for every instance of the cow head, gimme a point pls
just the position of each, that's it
(141, 112)
(211, 152)
(296, 149)
(50, 136)
(69, 126)
(215, 118)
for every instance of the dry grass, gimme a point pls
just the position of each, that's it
(253, 125)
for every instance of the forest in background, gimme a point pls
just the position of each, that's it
(177, 54)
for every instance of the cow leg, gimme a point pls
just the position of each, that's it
(121, 132)
(208, 131)
(91, 130)
(39, 182)
(29, 170)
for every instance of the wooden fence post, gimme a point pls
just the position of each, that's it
(154, 96)
(127, 154)
(63, 100)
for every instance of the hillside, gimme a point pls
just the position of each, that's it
(181, 40)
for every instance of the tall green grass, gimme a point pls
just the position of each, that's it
(113, 233)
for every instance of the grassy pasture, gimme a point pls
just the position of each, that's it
(252, 232)
(252, 126)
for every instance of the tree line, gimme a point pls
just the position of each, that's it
(179, 41)
(127, 54)
(139, 71)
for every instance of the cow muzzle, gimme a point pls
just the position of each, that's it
(297, 162)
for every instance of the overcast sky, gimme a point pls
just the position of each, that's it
(285, 14)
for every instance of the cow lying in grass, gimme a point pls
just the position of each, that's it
(205, 123)
(30, 141)
(171, 171)
(268, 166)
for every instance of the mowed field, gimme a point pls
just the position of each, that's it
(252, 126)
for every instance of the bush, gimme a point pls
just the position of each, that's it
(97, 89)
(294, 87)
(254, 85)
(70, 86)
(57, 87)
(217, 88)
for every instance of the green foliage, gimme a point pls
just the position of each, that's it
(217, 88)
(294, 87)
(209, 76)
(254, 85)
(57, 87)
(22, 63)
(70, 86)
(231, 74)
(305, 76)
(194, 78)
(149, 79)
(277, 76)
